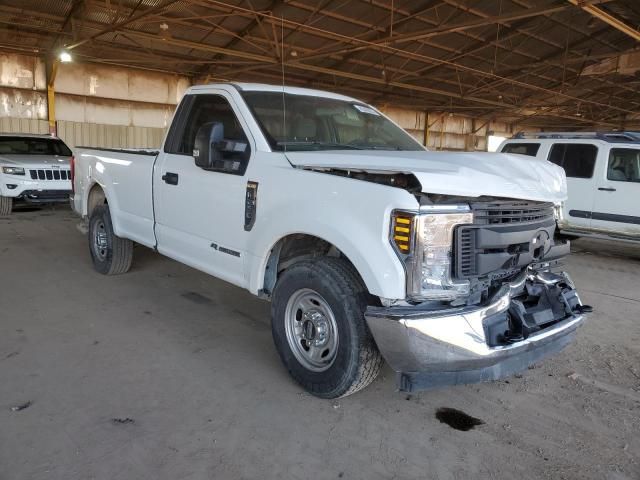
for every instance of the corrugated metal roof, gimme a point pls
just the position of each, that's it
(522, 58)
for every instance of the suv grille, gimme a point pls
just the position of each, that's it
(491, 213)
(50, 174)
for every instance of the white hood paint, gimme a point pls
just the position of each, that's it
(33, 160)
(468, 174)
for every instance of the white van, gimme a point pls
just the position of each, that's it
(603, 179)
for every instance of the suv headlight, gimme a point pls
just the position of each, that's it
(13, 170)
(424, 241)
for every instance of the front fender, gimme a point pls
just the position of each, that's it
(352, 215)
(383, 274)
(2, 183)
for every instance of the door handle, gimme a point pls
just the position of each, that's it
(170, 178)
(607, 189)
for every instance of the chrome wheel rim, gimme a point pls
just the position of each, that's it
(311, 329)
(100, 243)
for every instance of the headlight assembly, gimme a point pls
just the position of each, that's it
(557, 211)
(426, 249)
(13, 170)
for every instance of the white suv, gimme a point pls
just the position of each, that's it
(603, 179)
(33, 169)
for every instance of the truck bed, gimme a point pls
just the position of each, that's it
(126, 177)
(135, 151)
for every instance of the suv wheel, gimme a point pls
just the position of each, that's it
(6, 206)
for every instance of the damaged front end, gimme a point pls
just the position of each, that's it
(483, 299)
(525, 321)
(544, 299)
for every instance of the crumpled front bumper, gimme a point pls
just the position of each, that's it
(430, 348)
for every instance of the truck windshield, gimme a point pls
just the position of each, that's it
(318, 123)
(33, 146)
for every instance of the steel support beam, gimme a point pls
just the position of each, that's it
(606, 17)
(118, 26)
(442, 30)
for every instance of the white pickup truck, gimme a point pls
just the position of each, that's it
(366, 244)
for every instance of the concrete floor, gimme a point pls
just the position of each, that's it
(166, 373)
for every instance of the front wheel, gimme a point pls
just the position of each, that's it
(6, 206)
(318, 326)
(111, 254)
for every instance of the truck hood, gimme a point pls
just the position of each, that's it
(468, 174)
(33, 160)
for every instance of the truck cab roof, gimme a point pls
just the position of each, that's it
(265, 87)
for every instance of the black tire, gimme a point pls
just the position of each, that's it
(111, 254)
(564, 236)
(6, 206)
(357, 361)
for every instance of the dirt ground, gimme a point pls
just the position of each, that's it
(166, 373)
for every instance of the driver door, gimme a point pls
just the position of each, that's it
(578, 161)
(200, 213)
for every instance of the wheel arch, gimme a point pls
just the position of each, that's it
(96, 196)
(294, 247)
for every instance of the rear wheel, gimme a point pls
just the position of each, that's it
(111, 254)
(6, 206)
(319, 330)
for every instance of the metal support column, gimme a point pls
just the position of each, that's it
(51, 98)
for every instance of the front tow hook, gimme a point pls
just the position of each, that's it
(580, 309)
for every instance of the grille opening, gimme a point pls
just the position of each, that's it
(495, 213)
(52, 174)
(466, 259)
(491, 213)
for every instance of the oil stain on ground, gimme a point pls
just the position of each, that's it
(22, 406)
(197, 298)
(122, 421)
(457, 419)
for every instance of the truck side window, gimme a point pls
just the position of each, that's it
(578, 160)
(624, 165)
(212, 108)
(530, 149)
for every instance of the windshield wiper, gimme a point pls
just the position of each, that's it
(371, 146)
(341, 146)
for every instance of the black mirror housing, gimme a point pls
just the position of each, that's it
(206, 149)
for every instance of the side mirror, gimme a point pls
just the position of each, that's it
(206, 149)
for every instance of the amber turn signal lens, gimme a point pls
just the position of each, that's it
(402, 229)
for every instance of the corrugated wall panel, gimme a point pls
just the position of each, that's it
(23, 125)
(108, 136)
